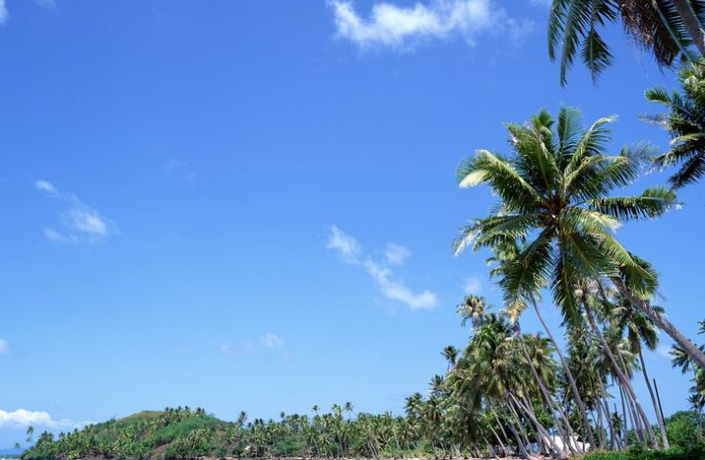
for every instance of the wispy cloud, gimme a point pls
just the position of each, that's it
(3, 12)
(664, 351)
(396, 254)
(268, 340)
(181, 170)
(404, 27)
(347, 246)
(472, 285)
(23, 418)
(80, 223)
(272, 340)
(4, 347)
(391, 286)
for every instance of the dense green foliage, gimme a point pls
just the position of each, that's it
(693, 452)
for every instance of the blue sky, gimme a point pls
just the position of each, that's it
(249, 205)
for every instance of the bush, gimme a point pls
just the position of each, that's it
(693, 452)
(683, 429)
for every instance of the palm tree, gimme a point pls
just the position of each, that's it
(450, 353)
(503, 253)
(685, 122)
(554, 194)
(473, 310)
(665, 28)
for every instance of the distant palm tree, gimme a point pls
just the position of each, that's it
(450, 353)
(472, 309)
(348, 409)
(554, 193)
(666, 28)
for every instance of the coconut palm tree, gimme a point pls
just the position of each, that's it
(450, 353)
(685, 123)
(472, 310)
(554, 193)
(665, 28)
(503, 253)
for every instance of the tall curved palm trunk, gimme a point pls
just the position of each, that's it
(689, 347)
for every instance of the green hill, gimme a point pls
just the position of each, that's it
(173, 433)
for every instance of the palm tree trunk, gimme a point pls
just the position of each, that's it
(501, 444)
(573, 386)
(659, 418)
(691, 23)
(636, 421)
(540, 431)
(567, 433)
(624, 416)
(614, 443)
(520, 437)
(620, 374)
(689, 347)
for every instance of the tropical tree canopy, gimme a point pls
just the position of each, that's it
(685, 122)
(554, 190)
(657, 26)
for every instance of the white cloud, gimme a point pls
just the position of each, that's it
(472, 285)
(23, 418)
(664, 351)
(3, 12)
(272, 340)
(396, 254)
(47, 187)
(347, 246)
(391, 286)
(403, 27)
(397, 290)
(80, 222)
(4, 347)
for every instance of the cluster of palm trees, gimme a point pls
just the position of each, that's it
(552, 235)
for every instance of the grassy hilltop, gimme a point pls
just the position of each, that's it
(173, 433)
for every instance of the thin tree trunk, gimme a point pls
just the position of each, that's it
(659, 418)
(543, 439)
(660, 407)
(691, 23)
(689, 347)
(606, 408)
(625, 441)
(636, 421)
(550, 403)
(519, 435)
(501, 444)
(620, 374)
(573, 386)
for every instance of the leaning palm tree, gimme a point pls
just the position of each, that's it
(685, 122)
(554, 195)
(665, 28)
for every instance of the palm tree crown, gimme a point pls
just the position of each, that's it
(685, 122)
(660, 27)
(554, 190)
